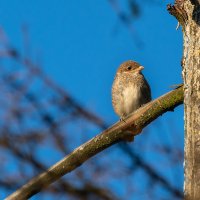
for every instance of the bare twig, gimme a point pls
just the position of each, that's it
(151, 171)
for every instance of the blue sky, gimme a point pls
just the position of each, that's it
(80, 44)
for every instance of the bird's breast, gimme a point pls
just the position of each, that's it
(131, 96)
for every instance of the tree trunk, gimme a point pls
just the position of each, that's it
(187, 13)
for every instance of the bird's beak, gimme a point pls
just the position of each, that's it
(140, 68)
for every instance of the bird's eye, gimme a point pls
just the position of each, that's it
(129, 67)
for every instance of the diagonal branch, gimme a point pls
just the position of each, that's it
(118, 132)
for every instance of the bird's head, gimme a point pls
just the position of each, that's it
(130, 67)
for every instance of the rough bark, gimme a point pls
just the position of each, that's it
(118, 132)
(188, 14)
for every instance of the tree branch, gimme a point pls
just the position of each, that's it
(118, 132)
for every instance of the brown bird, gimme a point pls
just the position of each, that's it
(130, 89)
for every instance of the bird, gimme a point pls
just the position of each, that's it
(130, 89)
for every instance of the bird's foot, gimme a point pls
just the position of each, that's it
(122, 119)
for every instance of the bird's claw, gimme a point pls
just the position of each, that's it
(122, 119)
